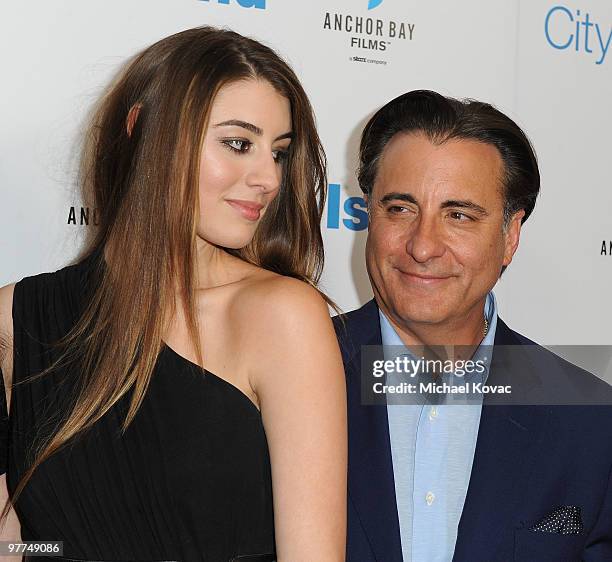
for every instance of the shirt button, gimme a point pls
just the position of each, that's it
(429, 498)
(433, 413)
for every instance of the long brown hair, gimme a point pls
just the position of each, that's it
(144, 186)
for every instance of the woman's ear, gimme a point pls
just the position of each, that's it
(132, 116)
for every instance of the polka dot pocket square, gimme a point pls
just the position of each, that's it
(565, 519)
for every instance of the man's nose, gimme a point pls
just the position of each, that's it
(264, 173)
(425, 239)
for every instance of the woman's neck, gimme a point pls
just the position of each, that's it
(215, 267)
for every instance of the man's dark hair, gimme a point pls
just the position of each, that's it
(442, 118)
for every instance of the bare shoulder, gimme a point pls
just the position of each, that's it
(280, 321)
(6, 331)
(270, 300)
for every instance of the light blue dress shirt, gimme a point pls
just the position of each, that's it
(432, 449)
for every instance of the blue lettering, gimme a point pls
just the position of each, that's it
(604, 48)
(581, 24)
(587, 25)
(333, 205)
(547, 27)
(260, 4)
(355, 207)
(577, 32)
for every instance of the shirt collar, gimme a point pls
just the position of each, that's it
(484, 350)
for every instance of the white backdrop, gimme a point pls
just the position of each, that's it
(546, 63)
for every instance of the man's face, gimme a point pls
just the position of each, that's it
(436, 241)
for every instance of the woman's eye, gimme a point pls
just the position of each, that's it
(280, 155)
(237, 145)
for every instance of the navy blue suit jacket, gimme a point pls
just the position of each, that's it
(528, 460)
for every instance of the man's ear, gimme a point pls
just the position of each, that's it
(513, 234)
(131, 118)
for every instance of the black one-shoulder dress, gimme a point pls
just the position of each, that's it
(190, 479)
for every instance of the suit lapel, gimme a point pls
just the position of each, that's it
(507, 438)
(370, 476)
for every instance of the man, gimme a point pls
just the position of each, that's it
(448, 186)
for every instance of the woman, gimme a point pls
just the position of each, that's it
(194, 406)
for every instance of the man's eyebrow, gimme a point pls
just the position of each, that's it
(250, 127)
(464, 205)
(398, 196)
(456, 203)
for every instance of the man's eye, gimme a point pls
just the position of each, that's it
(237, 145)
(460, 217)
(397, 209)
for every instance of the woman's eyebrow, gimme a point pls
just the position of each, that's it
(250, 127)
(244, 124)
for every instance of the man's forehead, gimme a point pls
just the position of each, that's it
(414, 163)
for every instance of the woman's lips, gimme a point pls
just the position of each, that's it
(250, 210)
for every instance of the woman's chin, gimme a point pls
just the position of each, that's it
(226, 242)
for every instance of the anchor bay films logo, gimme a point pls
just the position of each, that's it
(369, 35)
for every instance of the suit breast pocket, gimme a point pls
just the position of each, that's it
(547, 547)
